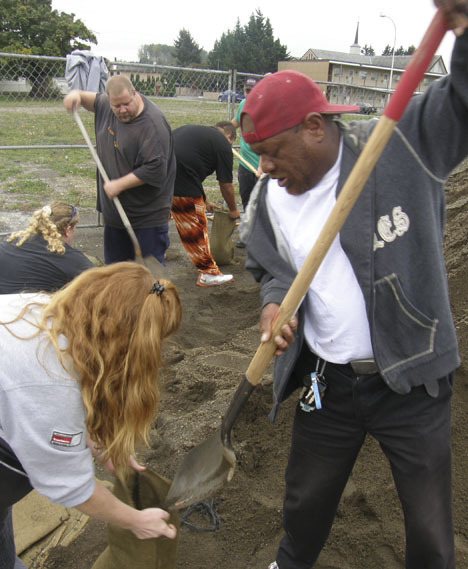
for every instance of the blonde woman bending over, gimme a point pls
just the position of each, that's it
(79, 377)
(41, 257)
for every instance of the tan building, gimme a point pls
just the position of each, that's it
(350, 78)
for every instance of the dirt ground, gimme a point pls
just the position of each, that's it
(206, 360)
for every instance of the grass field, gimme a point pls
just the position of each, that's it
(29, 178)
(32, 177)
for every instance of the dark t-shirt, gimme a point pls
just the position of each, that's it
(32, 267)
(144, 147)
(200, 151)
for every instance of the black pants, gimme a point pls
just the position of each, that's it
(119, 247)
(247, 181)
(14, 485)
(414, 433)
(8, 558)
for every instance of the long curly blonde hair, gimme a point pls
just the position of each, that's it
(115, 325)
(51, 222)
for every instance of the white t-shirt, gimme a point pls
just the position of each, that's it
(336, 326)
(42, 415)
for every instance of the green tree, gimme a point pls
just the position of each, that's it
(31, 27)
(388, 50)
(367, 50)
(187, 51)
(400, 51)
(158, 53)
(250, 48)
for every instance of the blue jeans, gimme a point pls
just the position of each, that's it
(413, 431)
(119, 247)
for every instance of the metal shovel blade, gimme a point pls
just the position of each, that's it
(210, 464)
(204, 469)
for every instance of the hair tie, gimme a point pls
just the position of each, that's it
(47, 210)
(157, 288)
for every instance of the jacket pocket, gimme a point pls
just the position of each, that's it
(403, 333)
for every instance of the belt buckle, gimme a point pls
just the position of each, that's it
(364, 367)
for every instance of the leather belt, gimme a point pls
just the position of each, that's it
(364, 367)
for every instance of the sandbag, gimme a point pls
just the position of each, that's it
(34, 518)
(142, 490)
(222, 246)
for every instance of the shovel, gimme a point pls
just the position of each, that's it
(206, 467)
(245, 162)
(150, 262)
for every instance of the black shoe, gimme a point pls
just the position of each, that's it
(240, 244)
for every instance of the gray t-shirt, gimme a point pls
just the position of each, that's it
(144, 147)
(42, 416)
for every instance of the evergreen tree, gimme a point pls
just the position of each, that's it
(367, 50)
(400, 51)
(187, 51)
(250, 48)
(388, 50)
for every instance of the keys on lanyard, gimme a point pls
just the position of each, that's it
(314, 390)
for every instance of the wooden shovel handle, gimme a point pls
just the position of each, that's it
(350, 192)
(105, 177)
(246, 163)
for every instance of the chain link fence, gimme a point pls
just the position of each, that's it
(39, 78)
(29, 77)
(42, 152)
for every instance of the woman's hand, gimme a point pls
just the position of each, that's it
(287, 333)
(145, 524)
(132, 462)
(152, 522)
(99, 455)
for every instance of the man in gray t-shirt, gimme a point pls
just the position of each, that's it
(134, 142)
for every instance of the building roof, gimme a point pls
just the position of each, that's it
(400, 61)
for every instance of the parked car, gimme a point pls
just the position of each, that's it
(232, 96)
(366, 108)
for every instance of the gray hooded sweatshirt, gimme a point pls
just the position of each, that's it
(393, 238)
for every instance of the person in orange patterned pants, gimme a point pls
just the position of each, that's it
(200, 151)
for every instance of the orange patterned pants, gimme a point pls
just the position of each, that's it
(190, 218)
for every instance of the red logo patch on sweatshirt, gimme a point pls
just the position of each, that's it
(66, 439)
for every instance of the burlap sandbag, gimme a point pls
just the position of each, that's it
(222, 246)
(143, 490)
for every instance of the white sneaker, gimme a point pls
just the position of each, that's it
(273, 565)
(205, 279)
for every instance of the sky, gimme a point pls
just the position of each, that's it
(122, 29)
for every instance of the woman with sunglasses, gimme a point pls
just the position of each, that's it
(41, 257)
